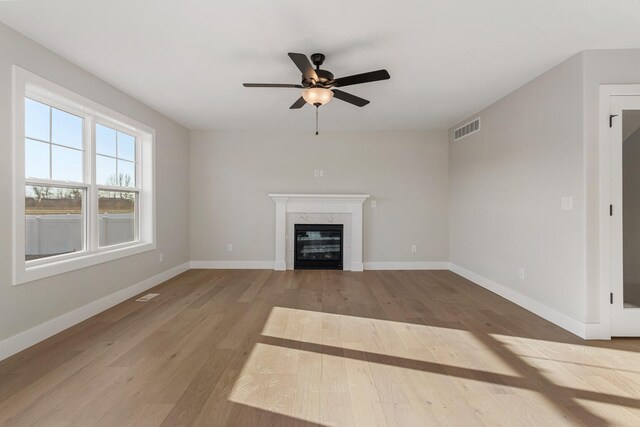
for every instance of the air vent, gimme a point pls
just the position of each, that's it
(466, 129)
(147, 297)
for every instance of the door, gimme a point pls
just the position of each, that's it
(624, 136)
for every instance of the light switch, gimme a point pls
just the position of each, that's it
(566, 203)
(373, 203)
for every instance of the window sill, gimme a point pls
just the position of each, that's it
(35, 272)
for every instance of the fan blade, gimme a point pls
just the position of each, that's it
(303, 64)
(271, 85)
(298, 104)
(371, 76)
(351, 99)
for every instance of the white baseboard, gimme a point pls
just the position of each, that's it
(23, 340)
(565, 322)
(401, 265)
(269, 265)
(357, 266)
(597, 331)
(234, 265)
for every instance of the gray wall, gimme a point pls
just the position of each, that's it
(506, 186)
(547, 142)
(404, 171)
(30, 304)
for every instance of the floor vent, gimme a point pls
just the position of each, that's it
(466, 129)
(147, 297)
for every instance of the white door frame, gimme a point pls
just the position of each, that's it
(604, 199)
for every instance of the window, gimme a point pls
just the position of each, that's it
(55, 221)
(54, 207)
(84, 181)
(116, 168)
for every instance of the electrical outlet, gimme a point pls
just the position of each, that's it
(521, 273)
(316, 173)
(414, 248)
(161, 258)
(373, 204)
(566, 203)
(229, 247)
(321, 172)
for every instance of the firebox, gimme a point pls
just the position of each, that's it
(318, 246)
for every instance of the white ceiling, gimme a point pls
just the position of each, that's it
(447, 58)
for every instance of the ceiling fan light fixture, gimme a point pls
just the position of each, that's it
(317, 95)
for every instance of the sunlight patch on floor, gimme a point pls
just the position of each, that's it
(413, 342)
(280, 380)
(324, 368)
(328, 389)
(583, 354)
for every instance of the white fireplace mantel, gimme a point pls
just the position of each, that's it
(319, 203)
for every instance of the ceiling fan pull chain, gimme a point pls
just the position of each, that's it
(316, 119)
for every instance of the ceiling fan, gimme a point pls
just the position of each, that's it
(319, 86)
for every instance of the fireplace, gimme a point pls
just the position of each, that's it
(319, 209)
(318, 246)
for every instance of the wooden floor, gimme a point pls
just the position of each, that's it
(243, 348)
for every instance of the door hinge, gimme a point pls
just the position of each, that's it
(610, 210)
(611, 298)
(611, 116)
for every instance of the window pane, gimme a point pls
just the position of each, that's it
(36, 159)
(66, 164)
(126, 147)
(105, 141)
(126, 174)
(66, 129)
(54, 221)
(36, 120)
(106, 170)
(116, 223)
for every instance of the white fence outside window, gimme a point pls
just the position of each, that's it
(58, 234)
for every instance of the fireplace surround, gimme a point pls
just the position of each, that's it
(348, 207)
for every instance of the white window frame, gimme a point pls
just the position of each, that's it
(27, 84)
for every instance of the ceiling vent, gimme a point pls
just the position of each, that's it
(467, 129)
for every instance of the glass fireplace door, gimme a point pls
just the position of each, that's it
(318, 246)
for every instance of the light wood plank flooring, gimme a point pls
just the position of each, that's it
(257, 347)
